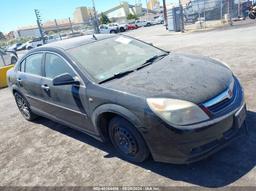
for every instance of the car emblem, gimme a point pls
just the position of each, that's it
(230, 94)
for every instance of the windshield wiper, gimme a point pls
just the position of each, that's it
(152, 60)
(146, 63)
(117, 75)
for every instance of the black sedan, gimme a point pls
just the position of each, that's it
(177, 108)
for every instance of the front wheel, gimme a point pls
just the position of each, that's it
(127, 140)
(24, 108)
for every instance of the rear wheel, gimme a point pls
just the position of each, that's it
(127, 140)
(24, 108)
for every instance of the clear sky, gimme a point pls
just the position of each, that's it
(15, 13)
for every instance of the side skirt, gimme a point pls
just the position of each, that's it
(55, 119)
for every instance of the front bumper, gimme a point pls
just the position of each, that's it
(170, 145)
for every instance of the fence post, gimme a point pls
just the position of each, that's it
(221, 8)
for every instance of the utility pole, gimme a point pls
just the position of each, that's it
(95, 20)
(56, 24)
(165, 13)
(71, 26)
(181, 16)
(39, 24)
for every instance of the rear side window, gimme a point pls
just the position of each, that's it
(33, 64)
(55, 65)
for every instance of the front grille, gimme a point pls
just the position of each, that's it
(228, 104)
(224, 103)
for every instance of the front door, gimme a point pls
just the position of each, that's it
(67, 103)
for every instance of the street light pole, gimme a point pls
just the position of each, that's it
(95, 20)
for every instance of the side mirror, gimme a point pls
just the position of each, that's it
(65, 79)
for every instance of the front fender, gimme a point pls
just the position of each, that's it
(116, 109)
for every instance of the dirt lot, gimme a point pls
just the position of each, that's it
(47, 154)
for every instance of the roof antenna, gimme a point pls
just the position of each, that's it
(94, 37)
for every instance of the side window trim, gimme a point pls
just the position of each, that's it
(23, 62)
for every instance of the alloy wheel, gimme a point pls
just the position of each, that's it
(23, 106)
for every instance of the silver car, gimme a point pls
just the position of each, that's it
(7, 57)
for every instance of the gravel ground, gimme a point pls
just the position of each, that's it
(44, 153)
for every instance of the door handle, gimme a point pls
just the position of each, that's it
(45, 87)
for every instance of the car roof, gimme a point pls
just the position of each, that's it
(77, 41)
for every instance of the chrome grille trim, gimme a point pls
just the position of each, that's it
(219, 98)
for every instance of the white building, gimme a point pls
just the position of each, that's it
(29, 32)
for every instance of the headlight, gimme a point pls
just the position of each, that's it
(177, 112)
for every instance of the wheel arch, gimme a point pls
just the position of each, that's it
(15, 89)
(104, 113)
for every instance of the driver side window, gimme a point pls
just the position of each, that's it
(55, 65)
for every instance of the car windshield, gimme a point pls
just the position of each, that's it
(104, 59)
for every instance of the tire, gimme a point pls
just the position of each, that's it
(13, 60)
(122, 29)
(252, 15)
(24, 107)
(127, 140)
(113, 32)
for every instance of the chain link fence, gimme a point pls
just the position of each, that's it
(199, 14)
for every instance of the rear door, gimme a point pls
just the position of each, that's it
(68, 102)
(29, 79)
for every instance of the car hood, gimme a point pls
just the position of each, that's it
(177, 76)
